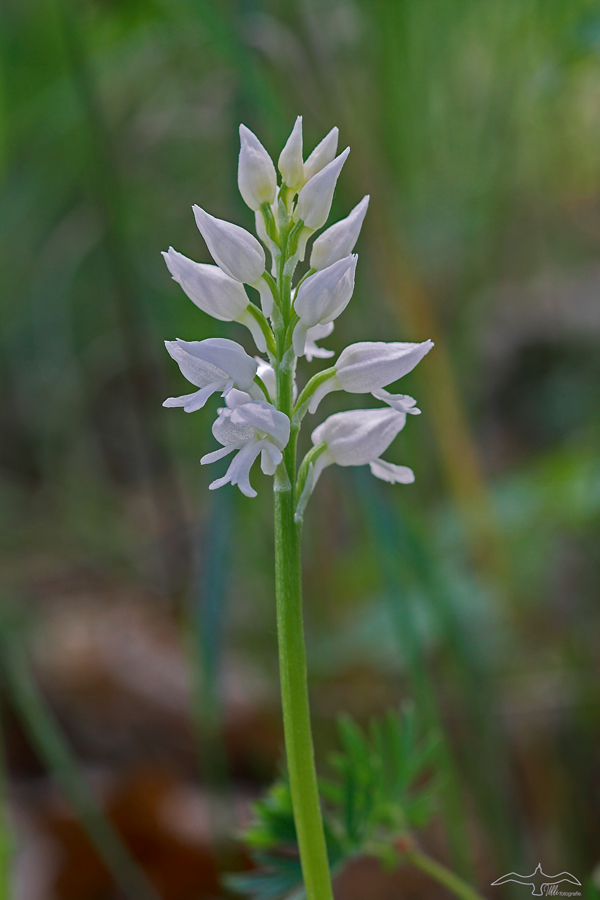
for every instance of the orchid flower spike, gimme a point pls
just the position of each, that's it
(257, 179)
(339, 239)
(253, 428)
(359, 437)
(215, 364)
(290, 160)
(367, 367)
(322, 297)
(314, 200)
(322, 155)
(214, 292)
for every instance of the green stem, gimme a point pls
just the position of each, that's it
(441, 874)
(294, 696)
(53, 749)
(292, 650)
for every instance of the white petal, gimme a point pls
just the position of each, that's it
(250, 322)
(206, 361)
(370, 365)
(194, 402)
(401, 402)
(312, 349)
(392, 473)
(270, 458)
(266, 296)
(323, 296)
(263, 417)
(322, 155)
(257, 179)
(326, 387)
(234, 249)
(299, 338)
(239, 469)
(208, 287)
(216, 455)
(359, 436)
(314, 200)
(266, 373)
(199, 371)
(290, 161)
(339, 240)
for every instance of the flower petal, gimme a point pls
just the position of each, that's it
(339, 240)
(257, 179)
(234, 249)
(225, 357)
(390, 472)
(314, 200)
(208, 287)
(371, 365)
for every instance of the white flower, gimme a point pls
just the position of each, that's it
(214, 292)
(252, 427)
(367, 367)
(215, 364)
(290, 160)
(339, 240)
(234, 249)
(257, 179)
(358, 437)
(322, 297)
(322, 155)
(311, 348)
(237, 252)
(314, 200)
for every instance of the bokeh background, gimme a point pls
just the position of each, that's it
(137, 608)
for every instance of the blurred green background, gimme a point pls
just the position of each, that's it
(142, 605)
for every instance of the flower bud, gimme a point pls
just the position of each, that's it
(290, 160)
(322, 155)
(314, 200)
(234, 249)
(214, 292)
(322, 297)
(257, 179)
(339, 240)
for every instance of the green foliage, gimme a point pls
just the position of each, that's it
(379, 793)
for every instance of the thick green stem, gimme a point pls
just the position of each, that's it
(441, 874)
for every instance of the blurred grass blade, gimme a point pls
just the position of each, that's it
(49, 742)
(6, 841)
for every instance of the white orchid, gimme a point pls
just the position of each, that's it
(252, 428)
(322, 297)
(290, 162)
(257, 179)
(213, 365)
(359, 437)
(339, 239)
(314, 200)
(214, 292)
(369, 366)
(322, 155)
